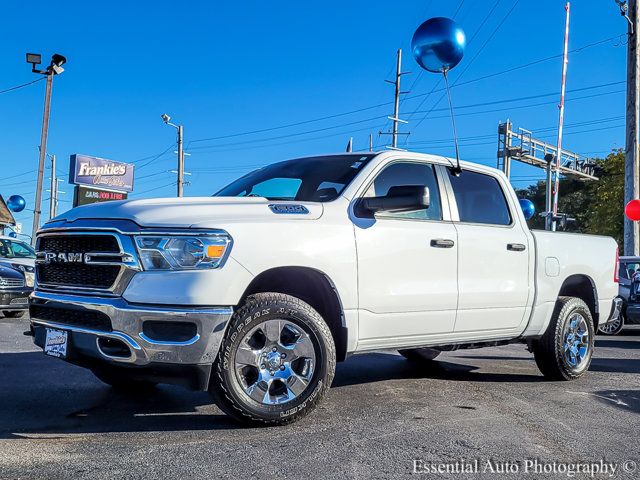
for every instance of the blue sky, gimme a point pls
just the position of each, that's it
(225, 68)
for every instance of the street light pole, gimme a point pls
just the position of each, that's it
(54, 68)
(180, 181)
(43, 152)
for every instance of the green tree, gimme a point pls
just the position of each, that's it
(597, 206)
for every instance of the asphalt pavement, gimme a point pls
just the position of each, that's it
(383, 418)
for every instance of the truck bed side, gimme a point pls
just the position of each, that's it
(570, 261)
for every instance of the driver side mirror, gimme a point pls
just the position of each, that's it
(401, 198)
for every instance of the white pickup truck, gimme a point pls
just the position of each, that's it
(256, 292)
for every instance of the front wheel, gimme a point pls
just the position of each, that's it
(564, 351)
(276, 361)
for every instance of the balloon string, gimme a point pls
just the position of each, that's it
(457, 170)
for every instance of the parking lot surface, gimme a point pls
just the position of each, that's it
(382, 414)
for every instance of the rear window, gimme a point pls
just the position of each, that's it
(480, 199)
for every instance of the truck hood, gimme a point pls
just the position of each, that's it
(204, 212)
(29, 262)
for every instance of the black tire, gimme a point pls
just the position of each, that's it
(122, 383)
(549, 350)
(13, 313)
(613, 328)
(419, 355)
(226, 386)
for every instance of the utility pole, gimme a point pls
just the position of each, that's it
(632, 162)
(180, 162)
(396, 106)
(371, 142)
(180, 181)
(54, 189)
(54, 68)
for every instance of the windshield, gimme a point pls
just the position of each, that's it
(15, 249)
(314, 179)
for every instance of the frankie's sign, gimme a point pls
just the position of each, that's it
(100, 172)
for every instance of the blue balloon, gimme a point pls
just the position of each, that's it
(16, 203)
(438, 44)
(528, 208)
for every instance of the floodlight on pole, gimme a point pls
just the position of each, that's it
(54, 68)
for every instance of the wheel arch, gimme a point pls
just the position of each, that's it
(583, 287)
(312, 286)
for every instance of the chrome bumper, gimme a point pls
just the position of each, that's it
(127, 326)
(616, 309)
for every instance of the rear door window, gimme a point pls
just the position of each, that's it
(480, 199)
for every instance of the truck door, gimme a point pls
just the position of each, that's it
(493, 255)
(407, 262)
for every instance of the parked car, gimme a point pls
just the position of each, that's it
(14, 293)
(629, 267)
(256, 292)
(18, 255)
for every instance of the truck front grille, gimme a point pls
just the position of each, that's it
(78, 273)
(11, 282)
(89, 319)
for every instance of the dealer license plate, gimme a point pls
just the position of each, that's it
(56, 343)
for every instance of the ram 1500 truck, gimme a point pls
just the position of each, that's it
(255, 293)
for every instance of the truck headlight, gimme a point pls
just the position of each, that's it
(182, 252)
(28, 279)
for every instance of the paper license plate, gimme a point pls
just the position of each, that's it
(56, 343)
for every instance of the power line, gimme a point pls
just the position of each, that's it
(385, 104)
(11, 89)
(156, 188)
(371, 119)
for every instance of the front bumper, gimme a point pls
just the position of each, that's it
(128, 329)
(15, 299)
(616, 309)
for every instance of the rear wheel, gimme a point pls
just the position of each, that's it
(13, 313)
(564, 351)
(276, 362)
(419, 354)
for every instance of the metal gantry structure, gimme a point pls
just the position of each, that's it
(521, 146)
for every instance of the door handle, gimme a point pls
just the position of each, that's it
(442, 243)
(516, 247)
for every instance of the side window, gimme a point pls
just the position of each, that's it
(480, 199)
(403, 174)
